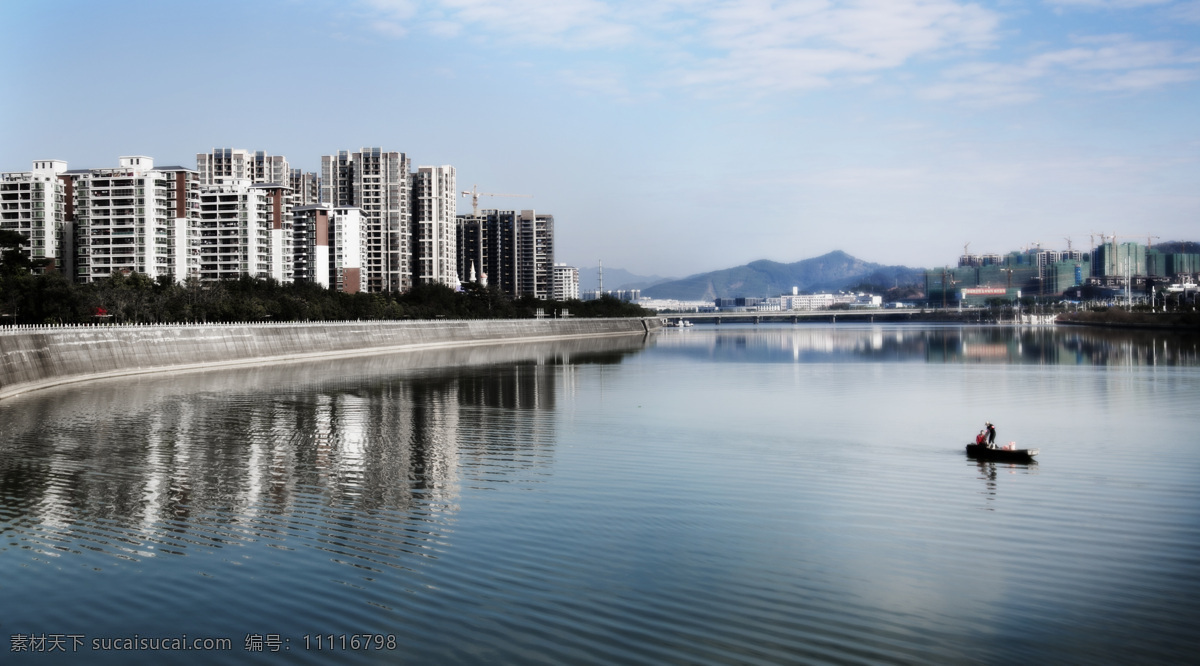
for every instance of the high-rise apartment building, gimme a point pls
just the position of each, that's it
(33, 203)
(228, 172)
(310, 244)
(347, 246)
(535, 255)
(514, 250)
(473, 250)
(566, 282)
(133, 218)
(245, 229)
(306, 188)
(329, 246)
(378, 183)
(434, 234)
(256, 167)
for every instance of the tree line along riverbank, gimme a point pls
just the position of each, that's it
(50, 298)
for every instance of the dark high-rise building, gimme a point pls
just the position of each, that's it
(512, 250)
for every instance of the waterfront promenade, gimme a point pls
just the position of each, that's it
(37, 357)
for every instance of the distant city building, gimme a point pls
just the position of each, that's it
(797, 302)
(626, 295)
(1045, 273)
(806, 301)
(566, 282)
(376, 182)
(134, 218)
(34, 203)
(434, 229)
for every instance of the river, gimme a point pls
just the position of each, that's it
(714, 495)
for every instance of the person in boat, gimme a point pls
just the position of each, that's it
(991, 435)
(979, 439)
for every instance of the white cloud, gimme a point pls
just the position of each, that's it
(725, 48)
(1114, 63)
(1188, 12)
(1109, 4)
(759, 45)
(570, 24)
(390, 17)
(787, 46)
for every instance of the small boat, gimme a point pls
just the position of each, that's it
(983, 452)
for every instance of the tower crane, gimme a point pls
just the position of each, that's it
(474, 193)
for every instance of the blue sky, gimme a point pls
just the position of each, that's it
(666, 136)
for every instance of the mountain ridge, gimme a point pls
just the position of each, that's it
(832, 271)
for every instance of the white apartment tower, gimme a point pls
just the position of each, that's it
(306, 188)
(279, 223)
(245, 229)
(347, 247)
(329, 247)
(377, 183)
(434, 230)
(256, 167)
(566, 282)
(34, 204)
(134, 218)
(225, 171)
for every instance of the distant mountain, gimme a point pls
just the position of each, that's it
(616, 278)
(830, 272)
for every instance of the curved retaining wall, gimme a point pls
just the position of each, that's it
(36, 358)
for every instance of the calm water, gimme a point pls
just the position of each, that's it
(749, 495)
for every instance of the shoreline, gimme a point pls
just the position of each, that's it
(36, 358)
(1114, 318)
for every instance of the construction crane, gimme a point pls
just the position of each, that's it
(474, 193)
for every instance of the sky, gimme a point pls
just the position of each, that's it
(667, 137)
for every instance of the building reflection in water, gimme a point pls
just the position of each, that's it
(1058, 345)
(151, 465)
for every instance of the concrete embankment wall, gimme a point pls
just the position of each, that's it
(40, 357)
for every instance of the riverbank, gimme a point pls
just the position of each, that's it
(34, 358)
(1118, 318)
